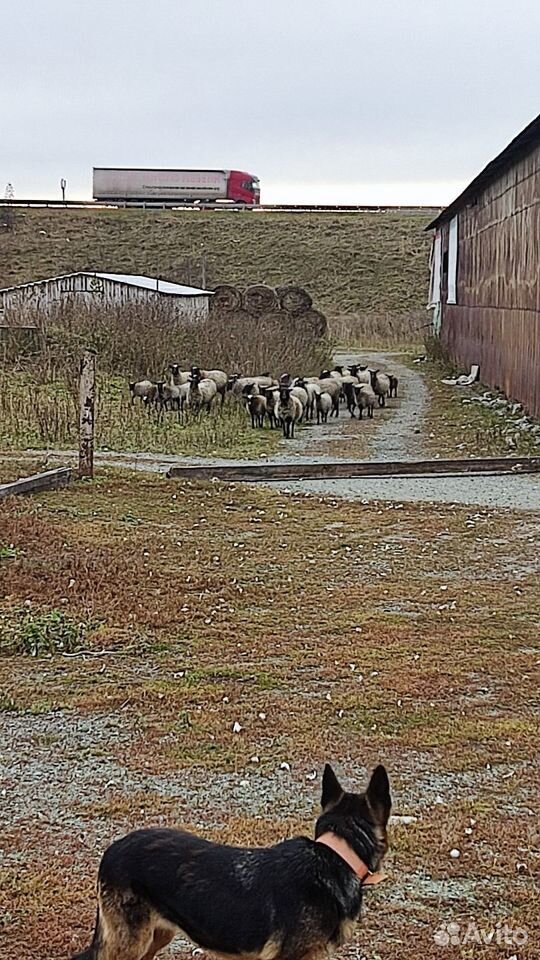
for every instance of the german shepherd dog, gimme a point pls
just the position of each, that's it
(296, 900)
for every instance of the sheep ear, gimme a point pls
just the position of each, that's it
(378, 795)
(332, 791)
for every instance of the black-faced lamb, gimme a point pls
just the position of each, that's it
(365, 399)
(256, 406)
(324, 407)
(289, 411)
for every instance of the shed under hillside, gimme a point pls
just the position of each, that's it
(116, 289)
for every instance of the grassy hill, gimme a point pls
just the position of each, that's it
(351, 263)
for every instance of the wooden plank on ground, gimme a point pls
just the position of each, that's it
(49, 480)
(356, 469)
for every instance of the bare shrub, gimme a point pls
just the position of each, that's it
(379, 330)
(39, 389)
(141, 340)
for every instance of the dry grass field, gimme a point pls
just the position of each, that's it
(351, 263)
(141, 619)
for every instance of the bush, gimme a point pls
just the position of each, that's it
(42, 633)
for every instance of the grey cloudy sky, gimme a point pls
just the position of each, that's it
(341, 100)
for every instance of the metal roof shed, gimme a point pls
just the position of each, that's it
(115, 289)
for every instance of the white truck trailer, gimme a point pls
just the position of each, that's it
(169, 187)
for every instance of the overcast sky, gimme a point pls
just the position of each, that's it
(342, 100)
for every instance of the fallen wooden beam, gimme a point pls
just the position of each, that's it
(356, 469)
(49, 480)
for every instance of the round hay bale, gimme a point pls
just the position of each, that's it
(259, 299)
(316, 322)
(294, 300)
(226, 298)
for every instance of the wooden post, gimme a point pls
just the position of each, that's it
(87, 398)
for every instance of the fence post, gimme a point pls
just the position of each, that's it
(87, 398)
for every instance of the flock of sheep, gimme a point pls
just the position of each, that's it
(284, 402)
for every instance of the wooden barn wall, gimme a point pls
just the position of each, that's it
(496, 321)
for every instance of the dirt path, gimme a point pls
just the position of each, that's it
(399, 433)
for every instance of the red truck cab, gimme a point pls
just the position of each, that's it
(243, 188)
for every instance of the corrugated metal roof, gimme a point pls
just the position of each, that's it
(151, 283)
(146, 283)
(520, 146)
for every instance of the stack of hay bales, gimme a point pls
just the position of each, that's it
(283, 311)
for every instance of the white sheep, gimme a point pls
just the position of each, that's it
(146, 390)
(380, 383)
(178, 376)
(331, 386)
(202, 392)
(365, 399)
(324, 406)
(219, 377)
(289, 411)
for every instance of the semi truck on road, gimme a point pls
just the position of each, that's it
(137, 186)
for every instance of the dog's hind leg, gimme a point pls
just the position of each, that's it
(125, 927)
(161, 938)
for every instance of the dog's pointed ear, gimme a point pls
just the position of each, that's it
(378, 794)
(332, 791)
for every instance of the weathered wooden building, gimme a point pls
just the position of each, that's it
(109, 289)
(485, 272)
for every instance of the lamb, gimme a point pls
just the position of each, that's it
(271, 395)
(393, 385)
(331, 386)
(170, 396)
(380, 383)
(256, 406)
(365, 399)
(145, 389)
(324, 406)
(349, 383)
(289, 411)
(219, 377)
(313, 390)
(202, 392)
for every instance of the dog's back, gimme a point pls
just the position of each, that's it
(290, 900)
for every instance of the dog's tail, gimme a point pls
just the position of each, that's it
(91, 952)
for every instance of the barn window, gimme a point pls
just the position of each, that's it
(445, 264)
(435, 279)
(452, 261)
